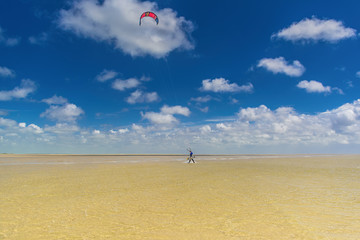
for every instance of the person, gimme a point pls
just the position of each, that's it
(191, 157)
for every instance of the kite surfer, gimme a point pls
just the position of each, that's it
(191, 157)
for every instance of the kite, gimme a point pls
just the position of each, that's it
(149, 14)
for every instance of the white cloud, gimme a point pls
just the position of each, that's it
(166, 115)
(34, 128)
(7, 122)
(55, 100)
(160, 118)
(96, 132)
(63, 113)
(137, 128)
(120, 131)
(142, 97)
(315, 29)
(106, 75)
(122, 85)
(205, 129)
(256, 130)
(280, 65)
(6, 72)
(223, 85)
(26, 87)
(8, 41)
(117, 22)
(61, 110)
(123, 130)
(314, 87)
(223, 126)
(346, 118)
(175, 110)
(62, 128)
(253, 114)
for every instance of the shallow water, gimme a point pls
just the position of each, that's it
(220, 197)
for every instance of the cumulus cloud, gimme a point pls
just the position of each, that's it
(106, 75)
(166, 115)
(122, 85)
(346, 118)
(61, 110)
(31, 128)
(280, 65)
(64, 113)
(117, 22)
(8, 41)
(142, 97)
(314, 87)
(175, 110)
(6, 72)
(160, 118)
(285, 124)
(222, 85)
(223, 127)
(315, 29)
(205, 129)
(357, 74)
(26, 87)
(7, 122)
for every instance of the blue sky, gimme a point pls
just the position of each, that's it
(222, 77)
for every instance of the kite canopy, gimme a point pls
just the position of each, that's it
(149, 14)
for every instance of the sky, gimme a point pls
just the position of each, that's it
(221, 77)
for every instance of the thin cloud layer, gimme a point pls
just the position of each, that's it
(116, 22)
(6, 72)
(8, 41)
(280, 65)
(26, 87)
(39, 39)
(55, 100)
(315, 29)
(223, 85)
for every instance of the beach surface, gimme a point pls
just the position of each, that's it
(162, 197)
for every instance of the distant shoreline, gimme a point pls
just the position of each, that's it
(159, 154)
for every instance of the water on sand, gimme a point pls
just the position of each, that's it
(159, 197)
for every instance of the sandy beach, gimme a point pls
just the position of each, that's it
(161, 197)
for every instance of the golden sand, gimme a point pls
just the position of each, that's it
(115, 197)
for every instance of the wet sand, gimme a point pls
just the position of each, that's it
(161, 197)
